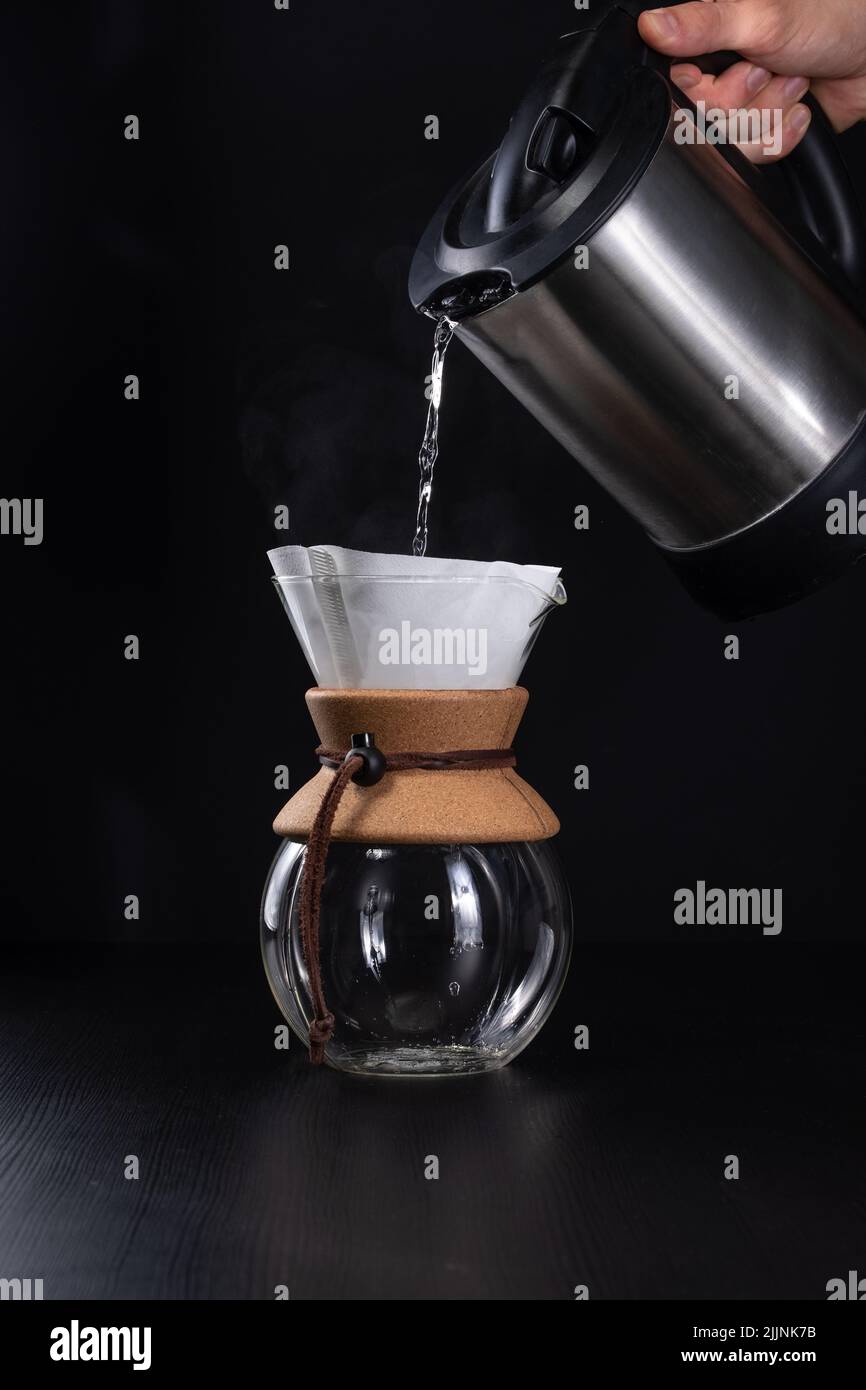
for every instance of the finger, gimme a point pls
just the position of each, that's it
(774, 98)
(738, 85)
(774, 95)
(762, 120)
(686, 76)
(780, 94)
(687, 30)
(781, 142)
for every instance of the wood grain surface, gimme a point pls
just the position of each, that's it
(601, 1167)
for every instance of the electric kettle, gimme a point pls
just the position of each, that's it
(688, 326)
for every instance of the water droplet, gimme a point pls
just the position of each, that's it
(454, 988)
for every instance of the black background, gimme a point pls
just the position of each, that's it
(155, 777)
(305, 387)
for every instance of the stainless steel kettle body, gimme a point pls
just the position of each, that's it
(701, 396)
(630, 285)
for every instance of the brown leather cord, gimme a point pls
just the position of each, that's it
(346, 766)
(462, 760)
(322, 1025)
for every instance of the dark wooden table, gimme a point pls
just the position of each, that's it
(602, 1167)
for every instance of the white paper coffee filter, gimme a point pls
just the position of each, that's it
(375, 621)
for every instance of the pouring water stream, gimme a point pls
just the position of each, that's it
(430, 445)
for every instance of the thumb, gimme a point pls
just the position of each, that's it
(686, 31)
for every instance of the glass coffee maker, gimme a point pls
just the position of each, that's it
(428, 932)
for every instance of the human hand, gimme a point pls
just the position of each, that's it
(789, 46)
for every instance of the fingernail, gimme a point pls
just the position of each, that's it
(799, 118)
(666, 25)
(757, 78)
(795, 87)
(688, 79)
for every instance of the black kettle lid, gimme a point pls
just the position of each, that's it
(583, 134)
